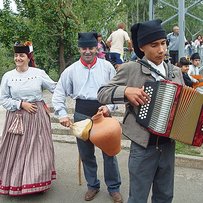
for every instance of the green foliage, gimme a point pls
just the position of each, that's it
(52, 29)
(6, 59)
(187, 149)
(137, 11)
(53, 25)
(13, 28)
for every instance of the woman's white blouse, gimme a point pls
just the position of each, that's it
(26, 86)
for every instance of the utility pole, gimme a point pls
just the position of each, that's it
(181, 12)
(181, 24)
(151, 10)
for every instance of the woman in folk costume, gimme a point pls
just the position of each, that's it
(26, 150)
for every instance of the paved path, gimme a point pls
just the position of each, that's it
(65, 189)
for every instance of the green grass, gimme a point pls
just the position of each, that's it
(187, 149)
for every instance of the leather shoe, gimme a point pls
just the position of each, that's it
(90, 194)
(116, 196)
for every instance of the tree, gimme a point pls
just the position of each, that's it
(6, 60)
(52, 30)
(53, 25)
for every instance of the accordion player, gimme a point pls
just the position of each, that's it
(173, 111)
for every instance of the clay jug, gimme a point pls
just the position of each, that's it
(106, 134)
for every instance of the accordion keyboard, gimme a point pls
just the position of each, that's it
(145, 108)
(155, 114)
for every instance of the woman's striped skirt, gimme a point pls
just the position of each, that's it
(26, 153)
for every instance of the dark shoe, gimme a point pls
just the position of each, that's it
(90, 194)
(116, 196)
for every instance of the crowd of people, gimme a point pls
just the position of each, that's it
(191, 47)
(113, 46)
(26, 149)
(114, 50)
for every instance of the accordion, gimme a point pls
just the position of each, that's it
(173, 111)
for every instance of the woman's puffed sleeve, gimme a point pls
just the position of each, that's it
(6, 99)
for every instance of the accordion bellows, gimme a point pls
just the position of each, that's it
(173, 111)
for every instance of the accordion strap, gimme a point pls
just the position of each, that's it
(147, 65)
(170, 71)
(130, 110)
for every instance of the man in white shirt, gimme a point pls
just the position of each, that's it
(116, 43)
(81, 81)
(173, 47)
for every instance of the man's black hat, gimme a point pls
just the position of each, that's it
(145, 33)
(87, 39)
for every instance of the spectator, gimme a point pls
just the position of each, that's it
(101, 46)
(184, 65)
(194, 73)
(189, 49)
(173, 47)
(116, 43)
(198, 41)
(200, 50)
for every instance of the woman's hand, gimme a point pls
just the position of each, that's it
(29, 107)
